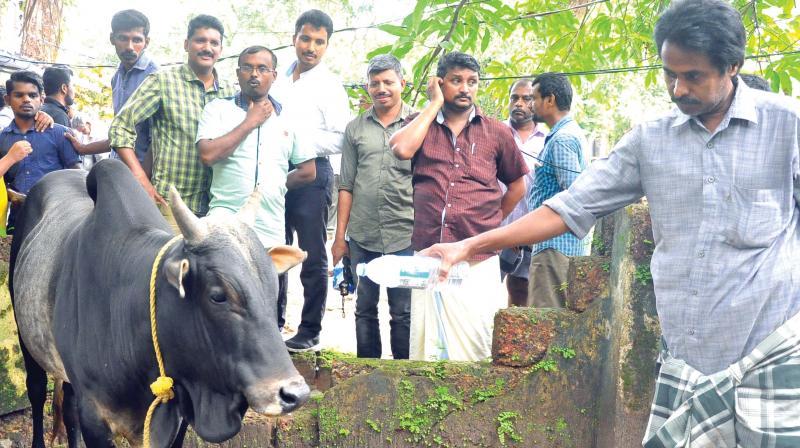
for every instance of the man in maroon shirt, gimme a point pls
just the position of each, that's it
(458, 155)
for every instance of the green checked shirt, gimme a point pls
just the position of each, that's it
(175, 100)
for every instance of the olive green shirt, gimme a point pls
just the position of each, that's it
(382, 215)
(174, 99)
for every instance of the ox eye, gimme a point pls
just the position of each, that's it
(217, 295)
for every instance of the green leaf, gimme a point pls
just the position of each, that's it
(393, 30)
(486, 40)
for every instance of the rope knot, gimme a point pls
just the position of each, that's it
(162, 388)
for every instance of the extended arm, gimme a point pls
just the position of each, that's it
(514, 193)
(407, 141)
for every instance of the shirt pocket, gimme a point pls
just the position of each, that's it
(483, 169)
(755, 217)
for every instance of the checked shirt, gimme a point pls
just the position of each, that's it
(175, 100)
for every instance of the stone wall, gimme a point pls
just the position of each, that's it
(578, 377)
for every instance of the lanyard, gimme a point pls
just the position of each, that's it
(240, 102)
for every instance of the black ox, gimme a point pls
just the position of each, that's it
(81, 260)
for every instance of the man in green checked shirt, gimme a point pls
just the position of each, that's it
(174, 99)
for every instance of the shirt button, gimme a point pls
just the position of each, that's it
(701, 254)
(456, 165)
(458, 149)
(452, 184)
(694, 292)
(690, 332)
(709, 145)
(711, 180)
(449, 205)
(445, 225)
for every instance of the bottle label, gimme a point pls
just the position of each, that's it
(413, 278)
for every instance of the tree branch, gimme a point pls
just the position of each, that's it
(435, 54)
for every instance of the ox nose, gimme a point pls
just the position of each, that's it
(293, 394)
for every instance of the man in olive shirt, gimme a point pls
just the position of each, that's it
(375, 205)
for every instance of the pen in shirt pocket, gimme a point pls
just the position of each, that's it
(473, 149)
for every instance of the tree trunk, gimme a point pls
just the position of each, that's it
(41, 29)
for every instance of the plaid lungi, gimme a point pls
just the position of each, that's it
(753, 403)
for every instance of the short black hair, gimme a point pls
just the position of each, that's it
(25, 76)
(258, 49)
(755, 82)
(518, 82)
(54, 77)
(555, 84)
(383, 62)
(129, 19)
(315, 18)
(2, 94)
(455, 59)
(710, 27)
(205, 21)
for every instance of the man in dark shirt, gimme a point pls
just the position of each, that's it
(51, 151)
(458, 156)
(59, 94)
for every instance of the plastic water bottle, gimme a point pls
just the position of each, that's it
(394, 271)
(342, 277)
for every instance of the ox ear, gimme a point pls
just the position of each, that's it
(175, 269)
(286, 257)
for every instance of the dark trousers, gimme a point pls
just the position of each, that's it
(307, 214)
(368, 334)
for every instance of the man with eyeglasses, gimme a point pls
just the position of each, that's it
(174, 99)
(248, 145)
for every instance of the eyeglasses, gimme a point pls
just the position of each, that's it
(262, 69)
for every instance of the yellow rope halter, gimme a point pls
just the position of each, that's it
(162, 387)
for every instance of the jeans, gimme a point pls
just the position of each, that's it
(368, 334)
(307, 214)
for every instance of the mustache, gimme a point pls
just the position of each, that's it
(129, 54)
(688, 101)
(205, 53)
(519, 109)
(463, 95)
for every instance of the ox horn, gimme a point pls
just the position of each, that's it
(247, 214)
(193, 230)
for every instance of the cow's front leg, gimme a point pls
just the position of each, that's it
(95, 431)
(36, 384)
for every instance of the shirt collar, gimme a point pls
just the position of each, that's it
(51, 100)
(476, 112)
(405, 111)
(141, 64)
(189, 75)
(237, 99)
(537, 130)
(319, 68)
(561, 123)
(13, 129)
(742, 107)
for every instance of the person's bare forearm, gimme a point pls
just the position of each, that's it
(303, 174)
(407, 141)
(343, 212)
(220, 148)
(98, 147)
(513, 195)
(128, 156)
(537, 226)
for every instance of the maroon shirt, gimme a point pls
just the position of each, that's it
(456, 194)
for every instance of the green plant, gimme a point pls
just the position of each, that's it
(643, 274)
(505, 427)
(565, 352)
(563, 287)
(481, 395)
(373, 425)
(547, 365)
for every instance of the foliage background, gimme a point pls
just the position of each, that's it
(605, 45)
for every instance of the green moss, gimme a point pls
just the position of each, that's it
(643, 274)
(419, 419)
(505, 427)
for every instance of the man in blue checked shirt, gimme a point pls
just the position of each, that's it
(561, 162)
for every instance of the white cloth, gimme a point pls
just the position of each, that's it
(317, 108)
(456, 322)
(6, 117)
(269, 150)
